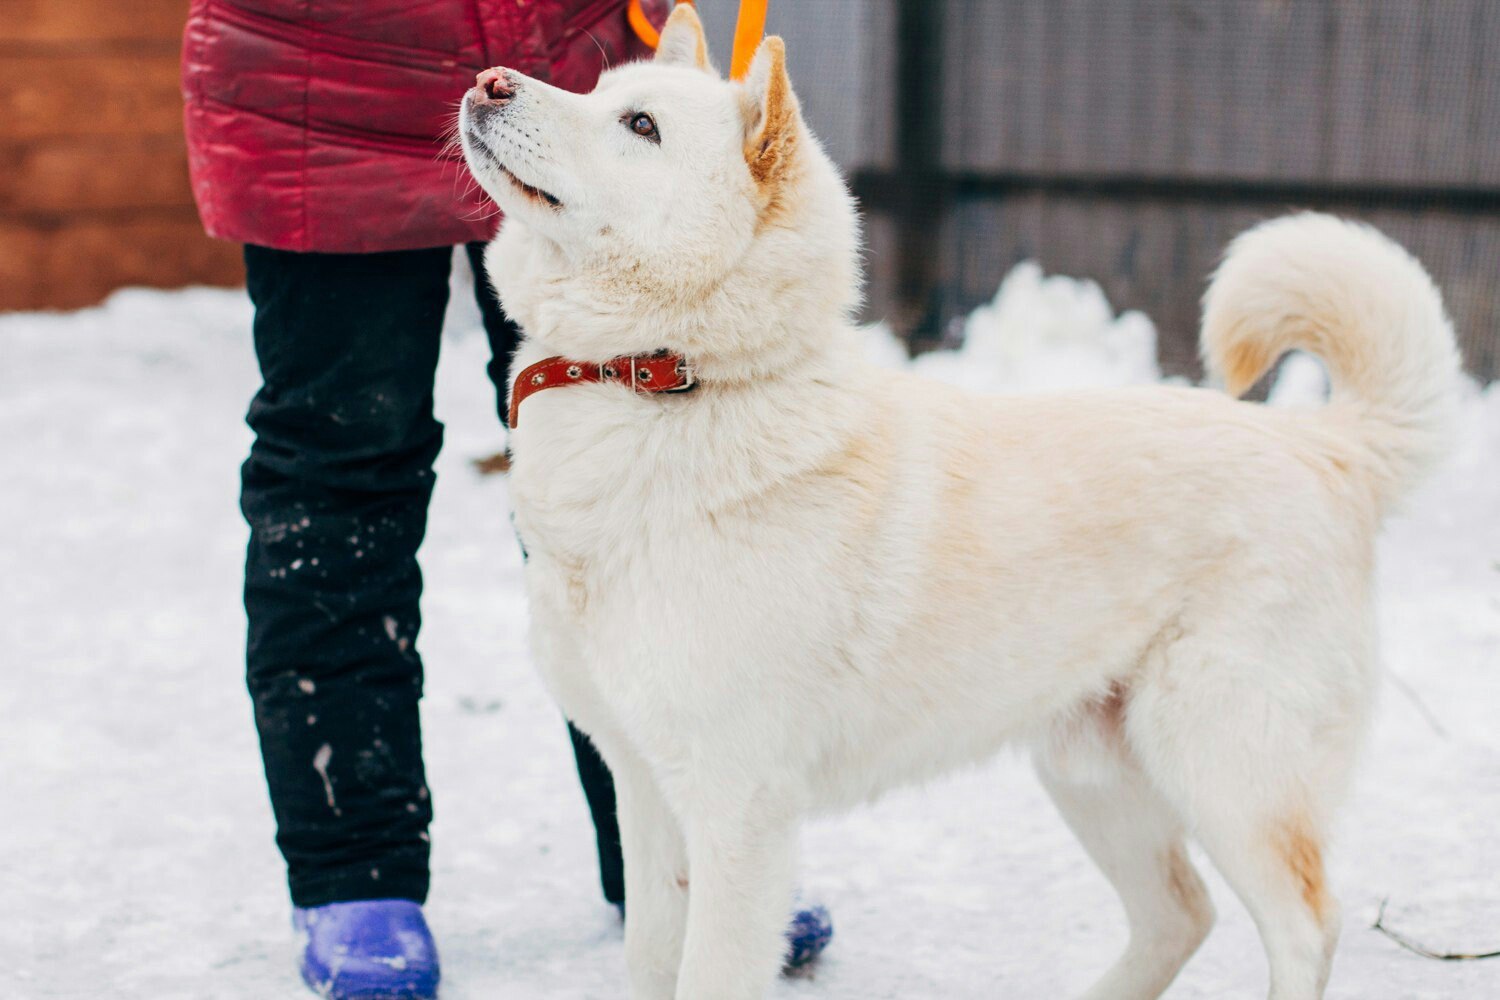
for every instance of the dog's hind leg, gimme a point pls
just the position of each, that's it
(1276, 868)
(1136, 839)
(1252, 758)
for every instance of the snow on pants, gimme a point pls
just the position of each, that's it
(335, 491)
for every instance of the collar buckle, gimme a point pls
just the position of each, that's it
(688, 378)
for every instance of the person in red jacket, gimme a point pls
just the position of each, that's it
(316, 137)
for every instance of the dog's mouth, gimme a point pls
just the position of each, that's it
(533, 193)
(536, 194)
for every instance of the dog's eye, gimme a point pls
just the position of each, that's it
(644, 126)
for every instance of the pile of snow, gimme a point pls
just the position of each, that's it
(137, 861)
(1038, 333)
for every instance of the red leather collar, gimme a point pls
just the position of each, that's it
(644, 373)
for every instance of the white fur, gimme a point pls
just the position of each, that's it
(810, 580)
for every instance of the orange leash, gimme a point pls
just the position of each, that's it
(749, 29)
(644, 29)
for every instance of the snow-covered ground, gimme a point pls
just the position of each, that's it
(136, 854)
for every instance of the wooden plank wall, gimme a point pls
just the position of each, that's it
(1155, 255)
(1124, 140)
(1137, 137)
(1128, 140)
(1327, 91)
(93, 176)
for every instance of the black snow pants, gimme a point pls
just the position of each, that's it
(335, 491)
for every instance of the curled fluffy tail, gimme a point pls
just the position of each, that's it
(1361, 303)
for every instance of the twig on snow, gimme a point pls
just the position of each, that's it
(1421, 706)
(1425, 952)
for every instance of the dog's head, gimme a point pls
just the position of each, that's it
(667, 208)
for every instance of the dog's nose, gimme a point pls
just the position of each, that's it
(495, 85)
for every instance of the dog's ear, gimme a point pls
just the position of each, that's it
(682, 40)
(773, 119)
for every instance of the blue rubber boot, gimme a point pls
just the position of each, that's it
(807, 936)
(372, 949)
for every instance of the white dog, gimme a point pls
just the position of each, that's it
(809, 580)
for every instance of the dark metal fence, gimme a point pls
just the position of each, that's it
(1128, 140)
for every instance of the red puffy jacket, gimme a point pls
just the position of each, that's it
(320, 125)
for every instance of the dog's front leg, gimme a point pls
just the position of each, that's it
(741, 856)
(656, 879)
